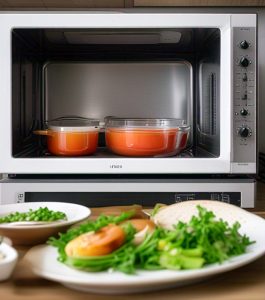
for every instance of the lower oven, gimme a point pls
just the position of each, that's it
(143, 191)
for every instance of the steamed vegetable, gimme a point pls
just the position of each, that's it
(41, 214)
(102, 242)
(203, 240)
(90, 226)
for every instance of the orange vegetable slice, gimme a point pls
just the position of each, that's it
(102, 242)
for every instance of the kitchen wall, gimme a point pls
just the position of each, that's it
(61, 4)
(81, 4)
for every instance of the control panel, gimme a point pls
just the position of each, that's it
(244, 95)
(227, 197)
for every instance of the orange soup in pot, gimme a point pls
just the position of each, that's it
(72, 143)
(146, 136)
(71, 136)
(138, 142)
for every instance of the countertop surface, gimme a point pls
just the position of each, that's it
(245, 283)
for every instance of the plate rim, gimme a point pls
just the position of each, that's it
(215, 269)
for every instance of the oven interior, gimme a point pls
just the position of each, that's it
(94, 73)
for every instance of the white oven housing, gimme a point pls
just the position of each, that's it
(232, 144)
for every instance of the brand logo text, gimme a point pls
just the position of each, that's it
(116, 166)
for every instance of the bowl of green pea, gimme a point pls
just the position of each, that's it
(33, 223)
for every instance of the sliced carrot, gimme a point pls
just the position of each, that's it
(102, 242)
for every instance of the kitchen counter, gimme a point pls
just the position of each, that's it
(241, 284)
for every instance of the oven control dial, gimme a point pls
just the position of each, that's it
(244, 44)
(243, 112)
(244, 132)
(244, 62)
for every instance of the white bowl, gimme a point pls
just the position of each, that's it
(8, 263)
(39, 233)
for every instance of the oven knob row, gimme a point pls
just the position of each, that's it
(244, 132)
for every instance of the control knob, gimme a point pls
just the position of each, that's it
(243, 112)
(244, 62)
(244, 44)
(244, 132)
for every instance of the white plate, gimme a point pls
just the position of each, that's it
(43, 261)
(37, 234)
(74, 212)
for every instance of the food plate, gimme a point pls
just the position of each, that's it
(37, 234)
(43, 261)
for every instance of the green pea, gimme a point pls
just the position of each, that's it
(41, 214)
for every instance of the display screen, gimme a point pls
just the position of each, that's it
(147, 199)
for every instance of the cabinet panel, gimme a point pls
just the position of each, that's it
(53, 4)
(138, 3)
(83, 3)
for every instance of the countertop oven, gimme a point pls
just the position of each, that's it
(199, 68)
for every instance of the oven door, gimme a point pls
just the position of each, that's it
(225, 161)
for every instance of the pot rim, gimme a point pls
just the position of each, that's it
(145, 123)
(73, 129)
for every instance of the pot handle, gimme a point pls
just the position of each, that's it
(42, 132)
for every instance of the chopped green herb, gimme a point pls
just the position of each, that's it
(203, 240)
(156, 209)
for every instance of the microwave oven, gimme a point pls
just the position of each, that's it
(200, 68)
